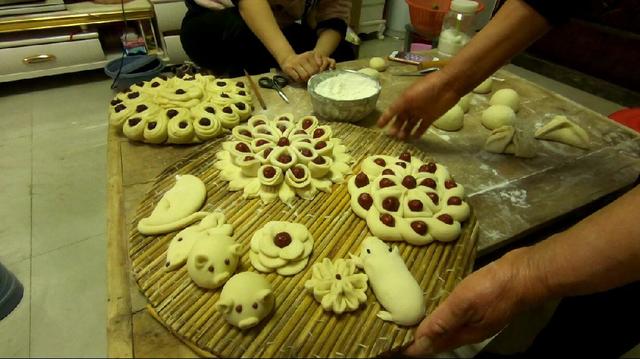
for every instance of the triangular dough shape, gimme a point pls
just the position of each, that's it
(507, 139)
(560, 129)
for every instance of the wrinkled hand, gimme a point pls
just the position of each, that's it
(479, 307)
(300, 67)
(420, 105)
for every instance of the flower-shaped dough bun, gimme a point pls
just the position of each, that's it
(180, 110)
(407, 199)
(337, 286)
(282, 158)
(283, 247)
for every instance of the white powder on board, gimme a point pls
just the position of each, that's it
(347, 87)
(518, 197)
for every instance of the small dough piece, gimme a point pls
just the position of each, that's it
(370, 72)
(485, 86)
(246, 299)
(213, 260)
(177, 208)
(497, 116)
(562, 130)
(507, 97)
(452, 120)
(283, 247)
(337, 286)
(394, 286)
(378, 64)
(507, 139)
(465, 102)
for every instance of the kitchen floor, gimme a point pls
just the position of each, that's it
(53, 202)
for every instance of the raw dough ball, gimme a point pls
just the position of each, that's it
(337, 286)
(177, 208)
(507, 97)
(497, 116)
(246, 299)
(560, 129)
(485, 86)
(378, 63)
(392, 283)
(283, 247)
(213, 260)
(370, 72)
(465, 102)
(452, 120)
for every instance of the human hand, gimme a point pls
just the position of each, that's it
(300, 67)
(479, 307)
(420, 105)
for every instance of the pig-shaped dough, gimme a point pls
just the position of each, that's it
(213, 260)
(392, 283)
(211, 225)
(177, 207)
(246, 299)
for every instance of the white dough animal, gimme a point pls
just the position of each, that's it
(213, 260)
(246, 299)
(392, 283)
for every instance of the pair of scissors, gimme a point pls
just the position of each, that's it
(277, 83)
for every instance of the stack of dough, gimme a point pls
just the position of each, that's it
(178, 110)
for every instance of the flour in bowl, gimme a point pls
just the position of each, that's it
(347, 87)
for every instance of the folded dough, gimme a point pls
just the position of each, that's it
(507, 139)
(452, 120)
(177, 208)
(560, 129)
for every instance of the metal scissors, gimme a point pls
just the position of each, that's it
(277, 83)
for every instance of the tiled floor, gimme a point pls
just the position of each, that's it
(53, 198)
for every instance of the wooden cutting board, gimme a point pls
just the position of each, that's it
(298, 327)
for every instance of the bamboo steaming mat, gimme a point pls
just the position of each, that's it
(298, 327)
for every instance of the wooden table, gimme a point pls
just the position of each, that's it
(512, 197)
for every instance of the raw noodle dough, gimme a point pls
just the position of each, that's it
(560, 129)
(497, 116)
(337, 286)
(507, 97)
(452, 120)
(177, 208)
(507, 139)
(485, 86)
(287, 255)
(378, 63)
(246, 299)
(394, 286)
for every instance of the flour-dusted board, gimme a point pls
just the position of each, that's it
(298, 327)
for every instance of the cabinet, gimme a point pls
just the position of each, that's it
(169, 15)
(84, 36)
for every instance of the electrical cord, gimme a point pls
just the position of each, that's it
(124, 51)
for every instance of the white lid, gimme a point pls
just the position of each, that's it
(465, 6)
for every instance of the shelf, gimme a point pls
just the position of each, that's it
(78, 14)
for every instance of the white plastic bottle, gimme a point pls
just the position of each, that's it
(457, 27)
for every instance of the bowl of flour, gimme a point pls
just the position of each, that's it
(343, 95)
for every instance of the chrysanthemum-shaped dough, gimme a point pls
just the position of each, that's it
(283, 247)
(407, 199)
(337, 286)
(282, 158)
(560, 129)
(177, 208)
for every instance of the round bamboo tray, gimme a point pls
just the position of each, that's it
(298, 327)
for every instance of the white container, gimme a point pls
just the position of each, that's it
(458, 27)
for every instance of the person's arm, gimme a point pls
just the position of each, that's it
(514, 27)
(599, 253)
(259, 17)
(327, 43)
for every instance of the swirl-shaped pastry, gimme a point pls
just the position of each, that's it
(156, 129)
(243, 110)
(228, 118)
(180, 127)
(134, 127)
